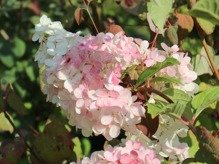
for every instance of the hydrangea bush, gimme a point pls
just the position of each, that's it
(126, 81)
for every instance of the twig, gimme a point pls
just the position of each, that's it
(88, 11)
(70, 2)
(154, 40)
(209, 55)
(152, 90)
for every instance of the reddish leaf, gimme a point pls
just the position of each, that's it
(78, 15)
(35, 7)
(185, 23)
(12, 150)
(114, 29)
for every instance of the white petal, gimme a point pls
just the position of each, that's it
(165, 47)
(78, 93)
(78, 110)
(44, 20)
(68, 86)
(51, 52)
(35, 37)
(49, 62)
(106, 120)
(80, 103)
(61, 75)
(114, 131)
(86, 133)
(144, 46)
(138, 111)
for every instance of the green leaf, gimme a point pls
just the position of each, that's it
(177, 108)
(154, 109)
(207, 9)
(192, 142)
(181, 102)
(15, 102)
(193, 148)
(204, 100)
(151, 71)
(51, 149)
(192, 45)
(19, 47)
(167, 79)
(77, 148)
(176, 94)
(1, 101)
(201, 64)
(53, 145)
(9, 75)
(206, 119)
(160, 11)
(5, 124)
(30, 73)
(86, 146)
(171, 34)
(207, 26)
(7, 60)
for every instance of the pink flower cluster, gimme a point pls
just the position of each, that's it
(183, 71)
(83, 76)
(85, 83)
(133, 153)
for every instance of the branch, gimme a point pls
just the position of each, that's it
(209, 55)
(88, 11)
(153, 43)
(70, 3)
(152, 90)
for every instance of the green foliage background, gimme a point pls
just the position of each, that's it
(41, 123)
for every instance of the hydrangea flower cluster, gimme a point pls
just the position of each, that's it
(132, 153)
(168, 134)
(83, 75)
(84, 79)
(166, 141)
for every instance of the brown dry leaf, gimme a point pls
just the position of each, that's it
(78, 15)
